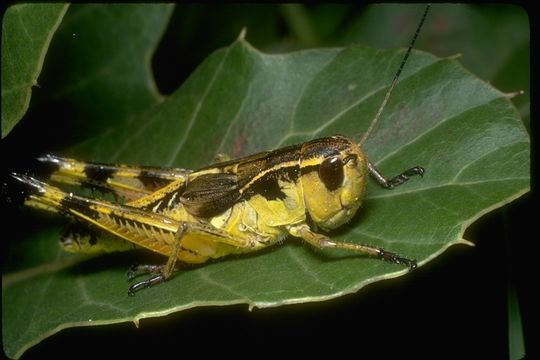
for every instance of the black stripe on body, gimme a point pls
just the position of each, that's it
(266, 158)
(307, 169)
(98, 173)
(325, 147)
(167, 201)
(49, 164)
(284, 155)
(268, 184)
(151, 182)
(79, 205)
(97, 176)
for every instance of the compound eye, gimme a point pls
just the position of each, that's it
(331, 172)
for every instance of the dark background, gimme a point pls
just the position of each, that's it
(455, 305)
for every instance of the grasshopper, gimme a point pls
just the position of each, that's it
(230, 207)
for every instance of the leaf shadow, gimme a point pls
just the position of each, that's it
(120, 261)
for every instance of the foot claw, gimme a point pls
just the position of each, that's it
(136, 270)
(156, 279)
(403, 177)
(396, 259)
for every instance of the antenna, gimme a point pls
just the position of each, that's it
(396, 77)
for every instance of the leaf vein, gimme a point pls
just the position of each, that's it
(196, 111)
(478, 159)
(306, 270)
(203, 274)
(433, 128)
(440, 186)
(235, 118)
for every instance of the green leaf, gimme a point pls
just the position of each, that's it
(27, 30)
(466, 134)
(107, 79)
(493, 41)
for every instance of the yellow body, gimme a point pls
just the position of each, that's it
(231, 207)
(248, 223)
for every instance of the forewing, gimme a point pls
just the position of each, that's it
(211, 194)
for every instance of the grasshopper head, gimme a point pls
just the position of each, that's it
(333, 179)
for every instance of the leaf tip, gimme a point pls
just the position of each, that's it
(512, 95)
(455, 56)
(242, 35)
(466, 242)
